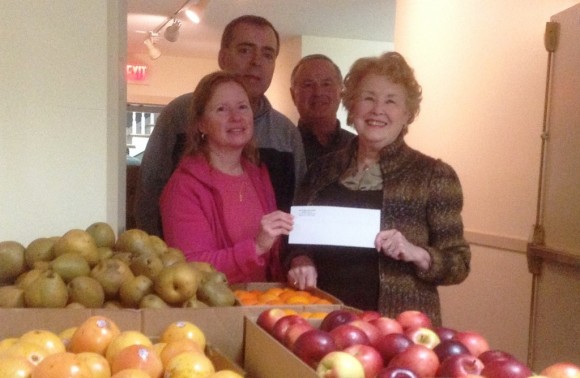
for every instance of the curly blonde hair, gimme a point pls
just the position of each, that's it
(394, 67)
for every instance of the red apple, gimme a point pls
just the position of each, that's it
(369, 315)
(494, 354)
(445, 333)
(423, 336)
(474, 341)
(337, 317)
(460, 365)
(448, 348)
(269, 317)
(562, 370)
(339, 364)
(282, 325)
(392, 344)
(346, 335)
(418, 358)
(294, 331)
(372, 332)
(506, 367)
(394, 372)
(369, 357)
(412, 319)
(387, 325)
(312, 345)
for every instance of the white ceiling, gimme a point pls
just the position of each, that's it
(352, 19)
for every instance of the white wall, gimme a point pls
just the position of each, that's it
(61, 86)
(482, 65)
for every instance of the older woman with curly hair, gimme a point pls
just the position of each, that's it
(420, 244)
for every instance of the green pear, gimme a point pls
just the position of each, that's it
(113, 304)
(11, 296)
(111, 273)
(123, 256)
(159, 246)
(48, 290)
(105, 253)
(133, 290)
(12, 262)
(134, 241)
(103, 234)
(80, 242)
(152, 301)
(39, 250)
(147, 264)
(193, 302)
(26, 278)
(70, 265)
(86, 291)
(172, 256)
(216, 294)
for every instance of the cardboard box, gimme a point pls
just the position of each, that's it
(265, 357)
(222, 327)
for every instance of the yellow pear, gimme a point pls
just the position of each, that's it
(11, 297)
(86, 291)
(12, 262)
(111, 274)
(39, 250)
(80, 242)
(103, 234)
(48, 290)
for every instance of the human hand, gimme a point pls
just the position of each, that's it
(302, 273)
(271, 227)
(395, 245)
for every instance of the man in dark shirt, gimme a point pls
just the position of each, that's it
(316, 86)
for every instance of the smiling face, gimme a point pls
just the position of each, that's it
(227, 120)
(252, 55)
(316, 91)
(379, 111)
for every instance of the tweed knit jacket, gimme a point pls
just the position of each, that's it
(422, 198)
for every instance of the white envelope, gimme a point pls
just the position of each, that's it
(330, 225)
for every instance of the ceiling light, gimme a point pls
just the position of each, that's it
(154, 52)
(192, 15)
(172, 32)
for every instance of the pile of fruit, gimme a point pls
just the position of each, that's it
(368, 345)
(97, 348)
(92, 268)
(275, 296)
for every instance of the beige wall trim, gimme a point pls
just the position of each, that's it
(496, 241)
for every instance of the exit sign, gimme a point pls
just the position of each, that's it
(137, 72)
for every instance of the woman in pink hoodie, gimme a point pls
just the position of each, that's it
(219, 205)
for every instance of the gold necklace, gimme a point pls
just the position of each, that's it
(242, 186)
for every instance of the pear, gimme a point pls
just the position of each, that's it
(11, 296)
(132, 291)
(193, 302)
(152, 301)
(75, 305)
(23, 280)
(80, 242)
(147, 264)
(134, 241)
(12, 262)
(123, 256)
(216, 294)
(111, 273)
(202, 266)
(105, 253)
(48, 290)
(39, 250)
(103, 234)
(86, 291)
(113, 304)
(159, 246)
(177, 283)
(70, 265)
(172, 256)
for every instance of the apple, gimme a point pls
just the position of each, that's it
(346, 335)
(269, 317)
(387, 325)
(448, 348)
(369, 315)
(337, 317)
(339, 364)
(423, 336)
(368, 356)
(282, 325)
(412, 319)
(313, 345)
(562, 370)
(494, 354)
(460, 365)
(372, 332)
(445, 333)
(474, 341)
(422, 360)
(392, 344)
(394, 372)
(506, 367)
(294, 331)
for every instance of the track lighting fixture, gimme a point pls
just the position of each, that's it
(172, 32)
(154, 52)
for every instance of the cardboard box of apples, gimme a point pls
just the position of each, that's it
(348, 343)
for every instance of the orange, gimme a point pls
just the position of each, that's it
(46, 339)
(183, 330)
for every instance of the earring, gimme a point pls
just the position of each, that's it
(202, 135)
